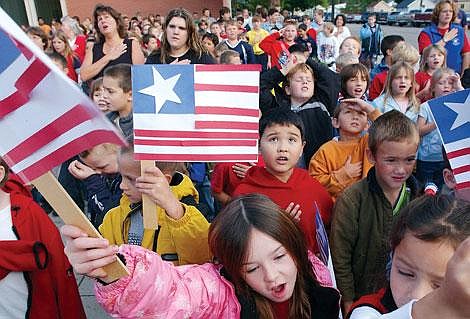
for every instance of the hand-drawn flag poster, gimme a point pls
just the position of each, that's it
(196, 112)
(452, 117)
(44, 117)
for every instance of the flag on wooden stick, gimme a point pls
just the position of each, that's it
(196, 112)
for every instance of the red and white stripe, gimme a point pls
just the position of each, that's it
(223, 128)
(458, 154)
(44, 118)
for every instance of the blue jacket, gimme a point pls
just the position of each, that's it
(370, 47)
(247, 55)
(454, 47)
(103, 193)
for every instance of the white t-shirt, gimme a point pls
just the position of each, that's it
(13, 288)
(365, 312)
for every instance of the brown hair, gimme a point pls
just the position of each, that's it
(438, 8)
(122, 73)
(392, 73)
(37, 31)
(7, 169)
(433, 218)
(103, 9)
(392, 126)
(351, 71)
(229, 237)
(256, 19)
(95, 86)
(193, 41)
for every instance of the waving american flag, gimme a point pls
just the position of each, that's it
(44, 117)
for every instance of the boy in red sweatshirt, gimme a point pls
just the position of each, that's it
(281, 145)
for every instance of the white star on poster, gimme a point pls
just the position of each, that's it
(162, 90)
(462, 110)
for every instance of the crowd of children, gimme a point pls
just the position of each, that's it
(345, 140)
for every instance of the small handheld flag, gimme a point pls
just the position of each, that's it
(196, 112)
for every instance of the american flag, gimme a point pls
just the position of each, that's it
(452, 117)
(196, 112)
(44, 117)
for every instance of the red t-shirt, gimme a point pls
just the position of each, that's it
(377, 85)
(80, 47)
(421, 78)
(312, 33)
(424, 40)
(301, 189)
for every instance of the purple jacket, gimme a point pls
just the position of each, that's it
(158, 289)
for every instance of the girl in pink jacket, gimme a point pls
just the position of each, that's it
(263, 270)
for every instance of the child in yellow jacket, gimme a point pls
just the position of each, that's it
(182, 233)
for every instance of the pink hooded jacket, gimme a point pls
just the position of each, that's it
(158, 289)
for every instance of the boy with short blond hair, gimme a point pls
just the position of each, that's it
(233, 42)
(281, 144)
(365, 211)
(343, 161)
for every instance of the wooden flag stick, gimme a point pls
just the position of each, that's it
(148, 206)
(71, 214)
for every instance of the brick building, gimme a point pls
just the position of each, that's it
(26, 12)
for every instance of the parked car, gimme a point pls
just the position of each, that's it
(364, 17)
(382, 17)
(407, 18)
(392, 17)
(357, 18)
(422, 18)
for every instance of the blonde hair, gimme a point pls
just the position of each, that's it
(392, 73)
(345, 59)
(329, 27)
(438, 75)
(405, 52)
(300, 67)
(423, 66)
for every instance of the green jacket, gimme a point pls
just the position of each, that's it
(361, 226)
